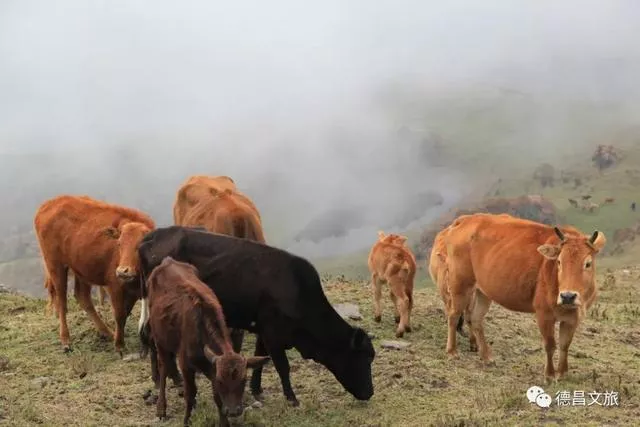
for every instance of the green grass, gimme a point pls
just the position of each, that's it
(417, 386)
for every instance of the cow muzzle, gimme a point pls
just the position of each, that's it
(234, 412)
(125, 274)
(568, 298)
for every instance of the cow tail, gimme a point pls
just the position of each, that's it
(144, 330)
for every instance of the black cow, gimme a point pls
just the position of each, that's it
(269, 292)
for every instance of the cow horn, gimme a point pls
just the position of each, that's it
(559, 233)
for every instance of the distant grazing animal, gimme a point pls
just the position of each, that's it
(573, 203)
(97, 241)
(609, 200)
(525, 267)
(439, 273)
(187, 321)
(198, 188)
(391, 262)
(269, 292)
(633, 206)
(586, 197)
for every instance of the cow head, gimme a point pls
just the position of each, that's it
(575, 266)
(128, 237)
(351, 364)
(391, 238)
(231, 378)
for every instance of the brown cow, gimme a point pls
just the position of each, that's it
(525, 267)
(393, 262)
(187, 321)
(439, 272)
(98, 242)
(225, 213)
(200, 188)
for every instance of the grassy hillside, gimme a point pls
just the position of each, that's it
(416, 386)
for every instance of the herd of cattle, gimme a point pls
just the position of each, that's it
(210, 277)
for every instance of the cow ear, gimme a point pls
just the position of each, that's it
(597, 241)
(381, 234)
(549, 251)
(111, 232)
(401, 239)
(442, 257)
(257, 361)
(357, 340)
(209, 354)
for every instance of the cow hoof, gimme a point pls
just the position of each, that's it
(407, 329)
(396, 319)
(489, 363)
(473, 348)
(293, 402)
(67, 349)
(161, 419)
(181, 394)
(399, 334)
(259, 397)
(452, 355)
(377, 319)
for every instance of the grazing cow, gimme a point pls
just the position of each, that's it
(392, 262)
(590, 206)
(187, 321)
(438, 271)
(200, 188)
(97, 241)
(525, 267)
(272, 293)
(573, 203)
(609, 200)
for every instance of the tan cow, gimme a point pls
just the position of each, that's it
(525, 267)
(98, 242)
(439, 273)
(392, 262)
(200, 188)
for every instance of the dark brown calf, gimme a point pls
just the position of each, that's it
(187, 321)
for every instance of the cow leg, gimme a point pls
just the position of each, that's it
(480, 309)
(190, 390)
(546, 323)
(473, 344)
(59, 275)
(281, 363)
(396, 316)
(237, 336)
(458, 303)
(256, 376)
(161, 405)
(51, 290)
(119, 314)
(402, 306)
(377, 296)
(566, 331)
(82, 293)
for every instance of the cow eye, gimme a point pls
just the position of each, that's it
(588, 264)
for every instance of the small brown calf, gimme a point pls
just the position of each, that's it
(187, 320)
(391, 261)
